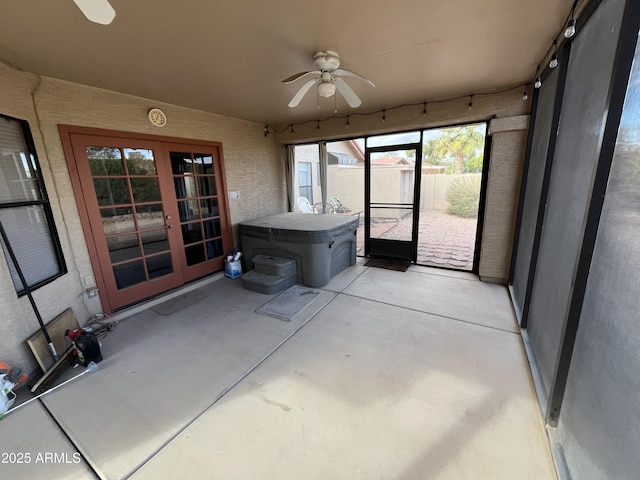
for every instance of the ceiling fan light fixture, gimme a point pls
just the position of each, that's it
(328, 79)
(326, 89)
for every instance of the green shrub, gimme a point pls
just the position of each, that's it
(463, 196)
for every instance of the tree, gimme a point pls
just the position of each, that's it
(461, 145)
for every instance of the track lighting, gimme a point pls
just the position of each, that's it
(291, 129)
(470, 102)
(424, 110)
(317, 125)
(571, 28)
(266, 131)
(525, 95)
(384, 115)
(347, 125)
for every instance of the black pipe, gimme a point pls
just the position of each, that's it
(27, 289)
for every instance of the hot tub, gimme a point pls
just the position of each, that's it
(321, 245)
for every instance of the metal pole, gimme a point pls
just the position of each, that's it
(28, 291)
(92, 367)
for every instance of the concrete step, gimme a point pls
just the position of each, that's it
(278, 266)
(266, 283)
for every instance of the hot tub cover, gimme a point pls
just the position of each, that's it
(299, 227)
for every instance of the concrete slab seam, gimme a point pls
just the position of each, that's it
(431, 313)
(233, 385)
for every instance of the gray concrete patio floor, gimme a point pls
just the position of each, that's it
(414, 375)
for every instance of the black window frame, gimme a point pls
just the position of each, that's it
(43, 202)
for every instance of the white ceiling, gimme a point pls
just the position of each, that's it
(229, 56)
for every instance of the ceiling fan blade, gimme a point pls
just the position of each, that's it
(348, 94)
(98, 11)
(349, 73)
(300, 75)
(303, 90)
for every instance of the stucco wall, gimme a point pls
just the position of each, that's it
(509, 139)
(253, 164)
(508, 115)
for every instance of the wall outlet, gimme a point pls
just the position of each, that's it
(234, 194)
(92, 292)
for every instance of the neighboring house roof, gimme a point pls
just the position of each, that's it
(336, 158)
(357, 149)
(390, 161)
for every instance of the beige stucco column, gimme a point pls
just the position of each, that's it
(509, 139)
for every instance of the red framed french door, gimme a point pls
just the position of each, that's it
(153, 210)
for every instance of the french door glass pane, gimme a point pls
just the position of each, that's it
(207, 186)
(150, 216)
(194, 254)
(214, 249)
(191, 232)
(112, 191)
(154, 241)
(123, 247)
(181, 163)
(117, 220)
(129, 274)
(185, 187)
(212, 228)
(209, 207)
(145, 190)
(189, 210)
(140, 162)
(105, 161)
(203, 163)
(159, 265)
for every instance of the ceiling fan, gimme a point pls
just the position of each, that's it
(327, 76)
(97, 11)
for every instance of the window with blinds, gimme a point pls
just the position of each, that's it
(25, 212)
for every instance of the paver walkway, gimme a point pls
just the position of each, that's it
(444, 240)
